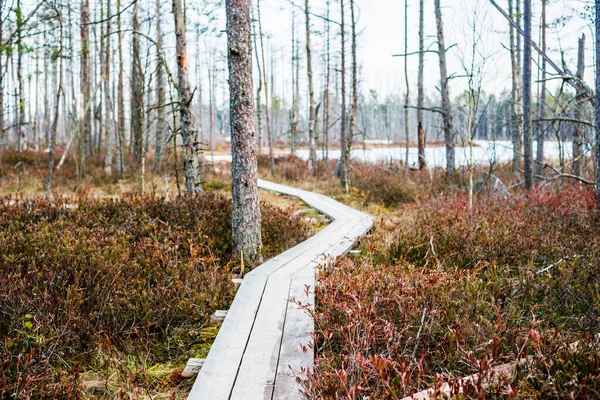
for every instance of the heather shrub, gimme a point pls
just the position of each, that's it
(443, 292)
(86, 281)
(390, 330)
(527, 229)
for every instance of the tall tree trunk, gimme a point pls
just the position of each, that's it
(120, 137)
(161, 125)
(597, 138)
(343, 164)
(85, 123)
(580, 98)
(270, 137)
(200, 133)
(246, 216)
(56, 109)
(327, 83)
(354, 106)
(21, 139)
(407, 94)
(137, 96)
(2, 71)
(527, 128)
(109, 124)
(517, 89)
(188, 128)
(542, 105)
(312, 145)
(421, 96)
(259, 88)
(446, 105)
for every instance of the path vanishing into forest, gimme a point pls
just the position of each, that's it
(263, 344)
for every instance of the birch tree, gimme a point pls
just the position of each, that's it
(445, 92)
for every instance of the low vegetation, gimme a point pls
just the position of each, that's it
(442, 292)
(108, 298)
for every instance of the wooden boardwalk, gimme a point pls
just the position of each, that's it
(259, 349)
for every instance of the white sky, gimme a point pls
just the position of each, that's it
(382, 34)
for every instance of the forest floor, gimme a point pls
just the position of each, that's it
(438, 291)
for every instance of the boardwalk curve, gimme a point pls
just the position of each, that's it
(258, 350)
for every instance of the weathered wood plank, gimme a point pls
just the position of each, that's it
(296, 355)
(218, 374)
(256, 376)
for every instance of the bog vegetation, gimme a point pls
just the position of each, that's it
(440, 292)
(109, 297)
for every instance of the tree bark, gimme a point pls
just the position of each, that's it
(2, 70)
(354, 106)
(108, 157)
(246, 216)
(21, 139)
(527, 128)
(327, 83)
(597, 144)
(421, 96)
(542, 105)
(517, 90)
(446, 105)
(188, 128)
(270, 137)
(343, 164)
(259, 88)
(407, 94)
(56, 110)
(161, 125)
(312, 145)
(137, 95)
(580, 98)
(85, 123)
(120, 137)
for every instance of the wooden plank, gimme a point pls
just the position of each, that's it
(218, 374)
(296, 355)
(256, 376)
(308, 245)
(262, 334)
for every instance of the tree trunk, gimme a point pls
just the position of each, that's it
(343, 164)
(580, 98)
(56, 110)
(109, 124)
(266, 86)
(85, 123)
(446, 105)
(542, 105)
(421, 96)
(161, 125)
(327, 82)
(188, 128)
(407, 94)
(137, 95)
(597, 144)
(246, 216)
(527, 128)
(21, 139)
(354, 106)
(517, 89)
(312, 145)
(2, 71)
(259, 88)
(120, 137)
